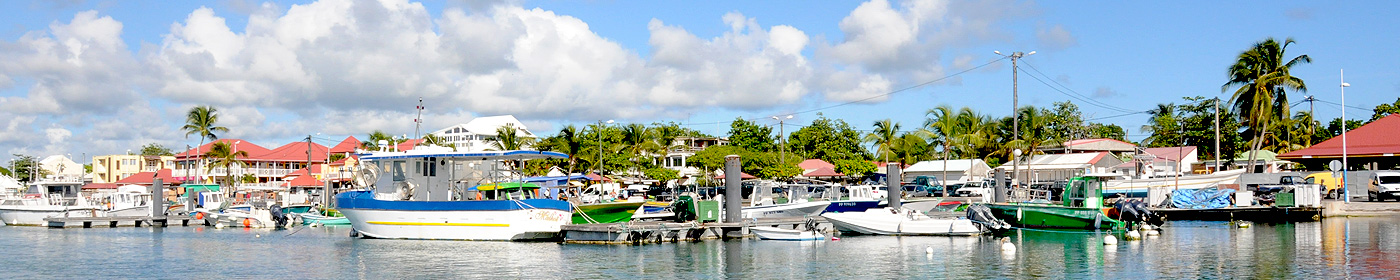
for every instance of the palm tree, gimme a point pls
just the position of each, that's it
(571, 144)
(637, 140)
(883, 137)
(665, 135)
(226, 157)
(942, 124)
(202, 120)
(1262, 75)
(1162, 126)
(506, 139)
(1033, 132)
(437, 140)
(372, 142)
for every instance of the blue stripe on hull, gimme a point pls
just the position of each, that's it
(365, 200)
(851, 206)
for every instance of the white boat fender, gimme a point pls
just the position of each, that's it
(1007, 246)
(1153, 233)
(928, 250)
(1132, 235)
(1110, 240)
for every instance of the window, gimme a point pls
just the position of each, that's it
(428, 167)
(398, 170)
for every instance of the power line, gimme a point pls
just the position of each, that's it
(1080, 97)
(1115, 116)
(1348, 106)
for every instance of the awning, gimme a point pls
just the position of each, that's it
(504, 186)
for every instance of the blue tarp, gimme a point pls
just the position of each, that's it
(1201, 198)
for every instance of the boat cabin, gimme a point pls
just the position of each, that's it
(431, 173)
(1085, 191)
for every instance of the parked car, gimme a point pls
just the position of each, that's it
(923, 186)
(1384, 184)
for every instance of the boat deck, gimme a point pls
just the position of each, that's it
(645, 232)
(137, 221)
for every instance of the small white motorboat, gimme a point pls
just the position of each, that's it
(772, 233)
(904, 221)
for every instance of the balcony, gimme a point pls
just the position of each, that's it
(261, 172)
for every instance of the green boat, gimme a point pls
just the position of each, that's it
(603, 213)
(1082, 208)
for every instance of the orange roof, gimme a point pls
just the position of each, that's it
(305, 181)
(346, 146)
(252, 149)
(408, 144)
(1374, 139)
(814, 164)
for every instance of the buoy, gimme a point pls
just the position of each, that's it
(315, 224)
(247, 222)
(257, 236)
(1110, 240)
(198, 215)
(833, 238)
(928, 250)
(218, 225)
(1243, 225)
(1007, 246)
(1153, 233)
(1132, 235)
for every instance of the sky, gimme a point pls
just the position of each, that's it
(85, 78)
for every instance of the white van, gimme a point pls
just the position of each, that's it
(1384, 184)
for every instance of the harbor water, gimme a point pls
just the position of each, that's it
(1335, 248)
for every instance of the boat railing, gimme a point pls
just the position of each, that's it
(1028, 194)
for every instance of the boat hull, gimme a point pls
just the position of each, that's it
(493, 220)
(313, 218)
(888, 222)
(788, 210)
(771, 233)
(34, 215)
(1053, 216)
(604, 213)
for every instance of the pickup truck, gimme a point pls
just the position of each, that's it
(925, 186)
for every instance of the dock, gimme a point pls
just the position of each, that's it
(1252, 213)
(136, 221)
(648, 232)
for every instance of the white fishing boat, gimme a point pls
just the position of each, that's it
(129, 201)
(1138, 187)
(762, 203)
(773, 233)
(435, 192)
(52, 197)
(904, 221)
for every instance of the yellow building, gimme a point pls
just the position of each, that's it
(113, 168)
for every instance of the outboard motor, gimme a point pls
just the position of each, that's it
(278, 217)
(982, 215)
(1134, 212)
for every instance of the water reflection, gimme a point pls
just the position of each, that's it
(1334, 248)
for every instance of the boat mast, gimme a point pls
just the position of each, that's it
(418, 122)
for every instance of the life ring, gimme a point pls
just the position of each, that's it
(247, 222)
(198, 215)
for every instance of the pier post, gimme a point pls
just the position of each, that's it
(892, 181)
(157, 202)
(999, 186)
(733, 191)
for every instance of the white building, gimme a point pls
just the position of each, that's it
(59, 165)
(477, 134)
(682, 148)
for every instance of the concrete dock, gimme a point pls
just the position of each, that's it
(137, 221)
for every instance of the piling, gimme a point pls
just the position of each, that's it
(999, 186)
(892, 181)
(157, 203)
(733, 191)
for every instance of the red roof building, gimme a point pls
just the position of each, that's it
(148, 178)
(346, 146)
(1373, 145)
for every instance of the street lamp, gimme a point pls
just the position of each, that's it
(1015, 118)
(1345, 193)
(600, 148)
(782, 148)
(1015, 167)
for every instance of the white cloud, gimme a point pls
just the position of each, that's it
(79, 66)
(1055, 37)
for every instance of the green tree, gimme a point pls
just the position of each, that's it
(1033, 133)
(910, 148)
(203, 121)
(661, 174)
(1261, 74)
(1197, 118)
(434, 139)
(665, 134)
(1384, 109)
(780, 171)
(712, 158)
(751, 136)
(1108, 131)
(855, 167)
(637, 141)
(224, 156)
(1066, 122)
(1334, 127)
(154, 149)
(568, 141)
(25, 168)
(828, 140)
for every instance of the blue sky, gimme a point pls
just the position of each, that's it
(101, 77)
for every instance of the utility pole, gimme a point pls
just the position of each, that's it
(1218, 157)
(1015, 118)
(782, 144)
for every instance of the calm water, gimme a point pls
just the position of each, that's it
(1359, 248)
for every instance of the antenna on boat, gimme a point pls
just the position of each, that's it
(418, 122)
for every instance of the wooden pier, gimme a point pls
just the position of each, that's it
(1252, 213)
(638, 233)
(136, 221)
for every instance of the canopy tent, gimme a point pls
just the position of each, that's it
(822, 172)
(596, 177)
(742, 175)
